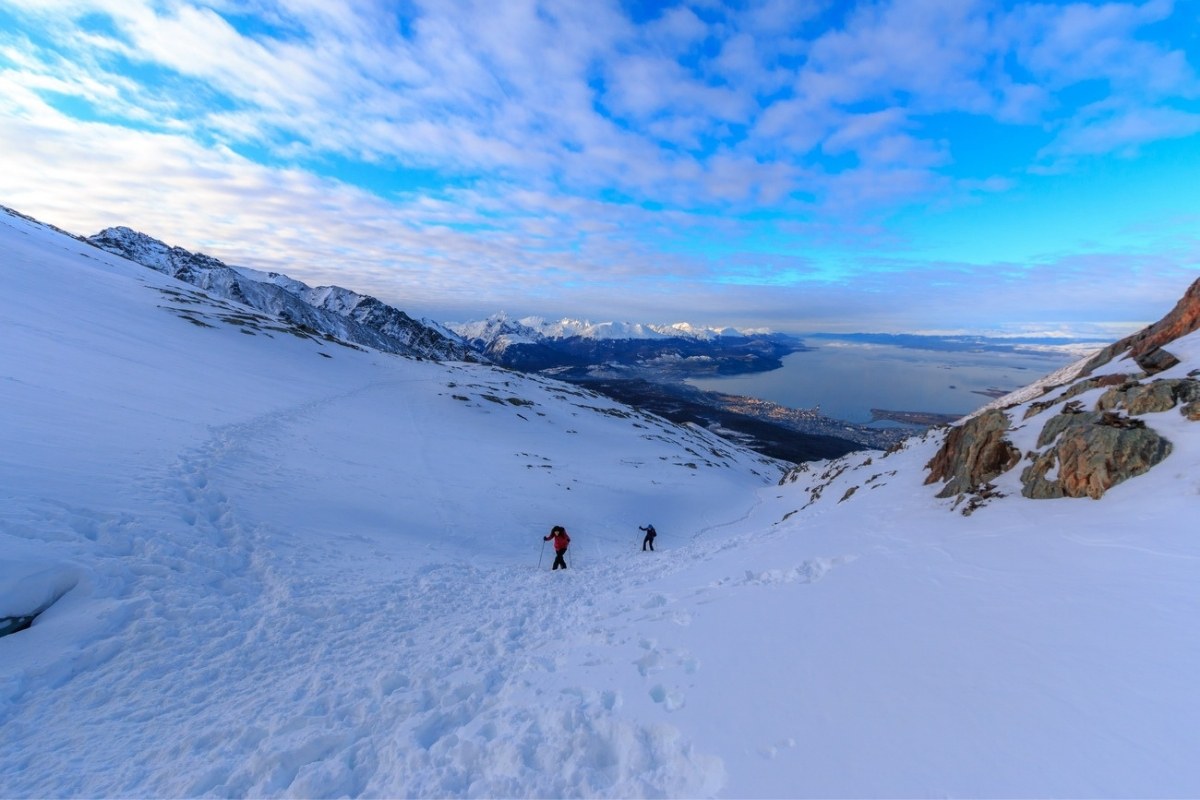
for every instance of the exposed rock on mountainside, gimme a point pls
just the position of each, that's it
(329, 310)
(1091, 452)
(1161, 395)
(1102, 434)
(1145, 346)
(973, 454)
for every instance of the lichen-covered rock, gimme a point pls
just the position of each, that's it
(1149, 398)
(973, 454)
(1188, 391)
(1116, 379)
(1091, 453)
(1191, 411)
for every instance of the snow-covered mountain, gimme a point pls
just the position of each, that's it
(326, 310)
(256, 563)
(539, 328)
(534, 343)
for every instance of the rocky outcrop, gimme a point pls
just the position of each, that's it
(1146, 346)
(1075, 390)
(1082, 451)
(972, 454)
(1149, 398)
(1091, 453)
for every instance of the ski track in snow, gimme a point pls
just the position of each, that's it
(451, 650)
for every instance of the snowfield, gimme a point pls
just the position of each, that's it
(270, 565)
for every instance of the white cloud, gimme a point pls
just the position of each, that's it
(1099, 130)
(1143, 81)
(540, 108)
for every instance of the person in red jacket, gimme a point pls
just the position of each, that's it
(559, 534)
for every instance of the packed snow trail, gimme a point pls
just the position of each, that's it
(284, 567)
(359, 673)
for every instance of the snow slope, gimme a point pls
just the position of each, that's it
(283, 567)
(332, 310)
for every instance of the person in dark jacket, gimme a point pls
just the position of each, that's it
(649, 540)
(559, 535)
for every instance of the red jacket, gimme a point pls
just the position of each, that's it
(561, 540)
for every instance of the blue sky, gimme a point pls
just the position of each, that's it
(904, 165)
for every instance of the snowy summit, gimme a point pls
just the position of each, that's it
(534, 329)
(246, 558)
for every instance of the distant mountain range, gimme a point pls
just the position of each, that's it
(530, 344)
(538, 329)
(328, 310)
(575, 347)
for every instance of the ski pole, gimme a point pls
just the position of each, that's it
(541, 554)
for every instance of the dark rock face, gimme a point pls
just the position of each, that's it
(1091, 453)
(15, 624)
(972, 454)
(1156, 361)
(1144, 346)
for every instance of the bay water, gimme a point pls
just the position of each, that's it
(847, 379)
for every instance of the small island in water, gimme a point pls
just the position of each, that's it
(924, 419)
